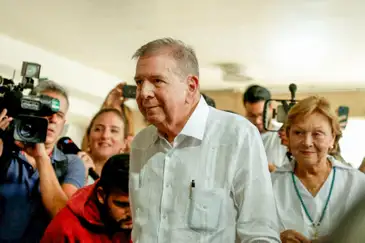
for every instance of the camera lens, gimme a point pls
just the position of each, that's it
(27, 131)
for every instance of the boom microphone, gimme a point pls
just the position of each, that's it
(67, 146)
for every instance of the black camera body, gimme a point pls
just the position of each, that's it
(28, 111)
(279, 113)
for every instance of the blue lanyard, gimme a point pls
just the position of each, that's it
(327, 201)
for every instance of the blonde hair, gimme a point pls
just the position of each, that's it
(315, 104)
(125, 115)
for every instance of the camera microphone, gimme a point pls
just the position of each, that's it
(67, 146)
(293, 90)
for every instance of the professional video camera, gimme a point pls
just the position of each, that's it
(28, 124)
(280, 112)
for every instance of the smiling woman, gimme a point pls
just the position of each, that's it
(106, 136)
(315, 182)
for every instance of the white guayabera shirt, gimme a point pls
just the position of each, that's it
(348, 187)
(275, 152)
(231, 199)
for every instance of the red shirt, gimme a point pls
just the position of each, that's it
(80, 221)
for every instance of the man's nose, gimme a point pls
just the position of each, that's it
(52, 118)
(258, 120)
(147, 90)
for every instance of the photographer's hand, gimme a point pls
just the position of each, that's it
(4, 123)
(4, 120)
(115, 97)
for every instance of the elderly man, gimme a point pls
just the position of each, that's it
(197, 174)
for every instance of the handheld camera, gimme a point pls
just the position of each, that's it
(280, 113)
(28, 111)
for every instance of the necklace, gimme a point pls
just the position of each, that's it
(315, 225)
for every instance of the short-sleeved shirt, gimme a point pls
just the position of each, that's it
(20, 197)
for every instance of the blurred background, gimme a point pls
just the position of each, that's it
(86, 45)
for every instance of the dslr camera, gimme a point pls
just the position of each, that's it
(28, 111)
(277, 109)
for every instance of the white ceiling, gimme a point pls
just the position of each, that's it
(311, 42)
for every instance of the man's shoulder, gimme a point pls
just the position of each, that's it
(145, 137)
(63, 225)
(230, 122)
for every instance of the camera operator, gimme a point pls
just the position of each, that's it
(39, 179)
(254, 100)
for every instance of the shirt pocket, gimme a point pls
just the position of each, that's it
(205, 208)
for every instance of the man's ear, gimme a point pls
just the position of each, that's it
(100, 194)
(193, 84)
(193, 88)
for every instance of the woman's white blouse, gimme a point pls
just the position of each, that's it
(349, 186)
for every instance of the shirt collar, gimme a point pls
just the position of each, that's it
(57, 155)
(195, 126)
(289, 167)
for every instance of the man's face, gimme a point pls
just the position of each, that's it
(57, 121)
(116, 205)
(255, 113)
(162, 93)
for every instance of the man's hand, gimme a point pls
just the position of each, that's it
(4, 120)
(88, 162)
(343, 122)
(292, 236)
(272, 167)
(4, 123)
(115, 97)
(36, 151)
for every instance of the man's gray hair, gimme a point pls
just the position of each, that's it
(183, 54)
(51, 86)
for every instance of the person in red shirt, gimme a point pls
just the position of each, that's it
(98, 213)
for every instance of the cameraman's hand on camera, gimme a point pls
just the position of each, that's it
(4, 120)
(4, 123)
(37, 151)
(115, 97)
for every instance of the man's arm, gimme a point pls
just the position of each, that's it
(253, 193)
(55, 196)
(75, 177)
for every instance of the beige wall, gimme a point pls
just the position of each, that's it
(230, 100)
